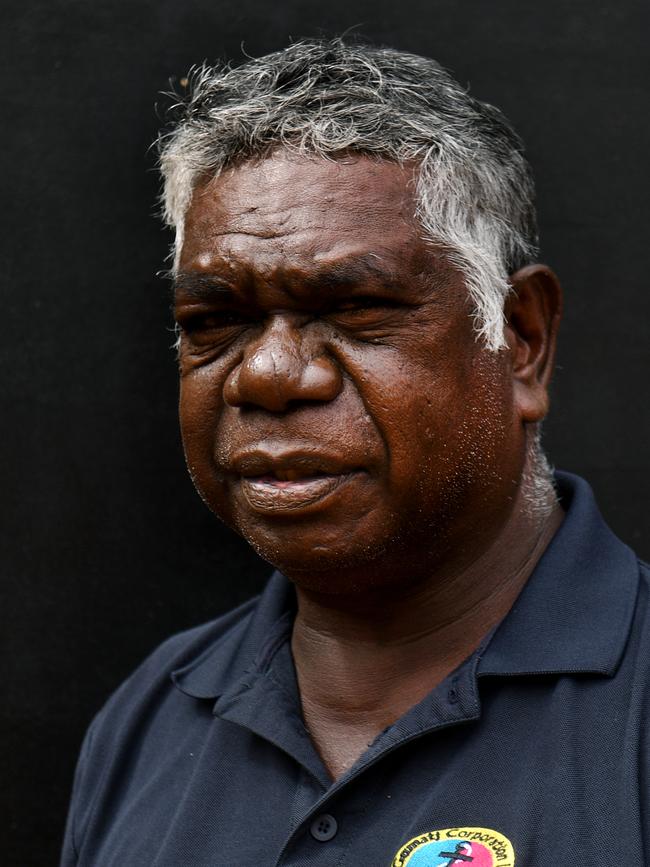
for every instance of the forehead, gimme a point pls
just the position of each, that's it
(303, 211)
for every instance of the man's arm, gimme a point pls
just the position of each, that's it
(70, 852)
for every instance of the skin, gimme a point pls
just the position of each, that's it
(338, 412)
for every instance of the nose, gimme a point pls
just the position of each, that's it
(283, 367)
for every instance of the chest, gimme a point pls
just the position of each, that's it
(532, 772)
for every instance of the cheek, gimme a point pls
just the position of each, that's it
(197, 411)
(479, 450)
(200, 407)
(454, 431)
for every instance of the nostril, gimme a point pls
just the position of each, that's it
(321, 380)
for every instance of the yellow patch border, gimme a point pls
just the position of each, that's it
(499, 845)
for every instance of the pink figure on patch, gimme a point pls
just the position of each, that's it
(474, 854)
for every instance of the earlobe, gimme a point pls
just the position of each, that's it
(533, 313)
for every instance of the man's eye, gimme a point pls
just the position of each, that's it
(208, 322)
(365, 310)
(212, 329)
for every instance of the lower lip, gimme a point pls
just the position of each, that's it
(273, 495)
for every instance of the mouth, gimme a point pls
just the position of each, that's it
(270, 494)
(289, 481)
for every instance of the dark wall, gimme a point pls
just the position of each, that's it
(107, 548)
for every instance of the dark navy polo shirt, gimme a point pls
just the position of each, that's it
(535, 751)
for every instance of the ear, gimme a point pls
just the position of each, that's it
(533, 311)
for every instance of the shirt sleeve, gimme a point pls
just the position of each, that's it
(71, 843)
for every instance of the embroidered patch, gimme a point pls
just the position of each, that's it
(455, 847)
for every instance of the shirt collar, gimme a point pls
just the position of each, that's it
(573, 615)
(575, 612)
(243, 649)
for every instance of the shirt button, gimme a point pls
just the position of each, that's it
(323, 828)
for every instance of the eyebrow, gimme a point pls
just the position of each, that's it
(341, 275)
(357, 271)
(200, 287)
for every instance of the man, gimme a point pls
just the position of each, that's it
(449, 666)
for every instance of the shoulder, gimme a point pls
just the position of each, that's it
(201, 662)
(150, 701)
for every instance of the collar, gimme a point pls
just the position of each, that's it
(573, 615)
(575, 612)
(229, 663)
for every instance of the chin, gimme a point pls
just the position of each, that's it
(298, 555)
(337, 570)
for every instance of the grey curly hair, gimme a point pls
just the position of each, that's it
(475, 193)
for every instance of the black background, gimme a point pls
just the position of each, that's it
(107, 547)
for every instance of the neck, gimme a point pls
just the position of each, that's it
(362, 660)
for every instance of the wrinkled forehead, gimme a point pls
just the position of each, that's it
(303, 208)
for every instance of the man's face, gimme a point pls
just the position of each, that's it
(335, 406)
